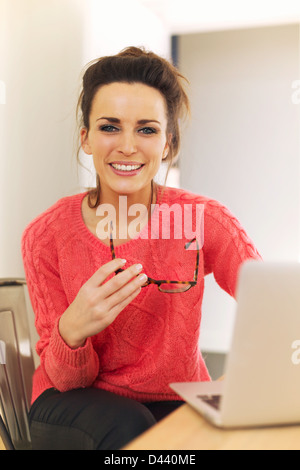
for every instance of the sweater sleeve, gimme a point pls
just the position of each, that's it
(226, 246)
(66, 368)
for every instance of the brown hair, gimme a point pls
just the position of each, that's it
(134, 65)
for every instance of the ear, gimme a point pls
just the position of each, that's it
(85, 141)
(167, 147)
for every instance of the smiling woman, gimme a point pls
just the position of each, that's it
(128, 146)
(157, 98)
(113, 337)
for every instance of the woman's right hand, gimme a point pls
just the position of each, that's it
(98, 303)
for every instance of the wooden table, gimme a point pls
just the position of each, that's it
(185, 429)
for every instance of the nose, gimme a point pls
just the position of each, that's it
(127, 143)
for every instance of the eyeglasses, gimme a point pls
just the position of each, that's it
(170, 287)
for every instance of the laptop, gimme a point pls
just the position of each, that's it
(262, 369)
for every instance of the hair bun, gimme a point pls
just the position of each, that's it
(133, 51)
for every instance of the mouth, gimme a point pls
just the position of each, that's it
(128, 168)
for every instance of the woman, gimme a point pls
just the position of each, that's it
(118, 310)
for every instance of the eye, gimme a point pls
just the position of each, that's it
(108, 128)
(148, 130)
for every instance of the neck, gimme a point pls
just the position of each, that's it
(127, 208)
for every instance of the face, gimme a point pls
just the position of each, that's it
(127, 136)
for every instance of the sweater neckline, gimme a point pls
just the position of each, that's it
(84, 232)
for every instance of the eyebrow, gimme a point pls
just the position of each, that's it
(117, 121)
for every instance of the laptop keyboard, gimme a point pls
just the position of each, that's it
(212, 400)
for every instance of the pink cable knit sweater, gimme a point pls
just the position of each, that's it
(155, 339)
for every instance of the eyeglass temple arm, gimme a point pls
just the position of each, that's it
(197, 258)
(112, 248)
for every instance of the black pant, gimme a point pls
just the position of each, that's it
(91, 419)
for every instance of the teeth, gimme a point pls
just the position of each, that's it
(125, 167)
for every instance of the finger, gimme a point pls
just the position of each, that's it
(126, 291)
(106, 270)
(120, 280)
(117, 309)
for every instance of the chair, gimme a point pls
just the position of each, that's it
(16, 365)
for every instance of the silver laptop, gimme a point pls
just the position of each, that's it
(262, 371)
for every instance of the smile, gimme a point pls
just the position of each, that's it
(126, 167)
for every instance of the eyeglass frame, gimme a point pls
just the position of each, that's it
(163, 281)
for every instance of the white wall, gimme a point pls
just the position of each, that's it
(39, 62)
(44, 45)
(242, 144)
(108, 31)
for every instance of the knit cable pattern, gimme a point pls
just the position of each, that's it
(155, 340)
